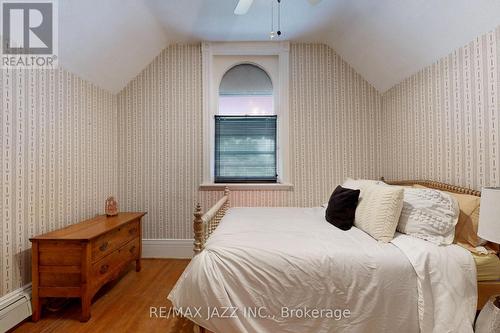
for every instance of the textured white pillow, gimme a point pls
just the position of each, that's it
(378, 211)
(429, 214)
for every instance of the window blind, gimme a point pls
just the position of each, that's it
(245, 149)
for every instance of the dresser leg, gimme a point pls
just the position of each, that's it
(138, 265)
(35, 300)
(37, 308)
(86, 302)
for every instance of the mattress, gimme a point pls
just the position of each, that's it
(286, 260)
(487, 266)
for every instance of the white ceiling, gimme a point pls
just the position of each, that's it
(110, 42)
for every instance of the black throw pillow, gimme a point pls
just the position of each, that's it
(341, 207)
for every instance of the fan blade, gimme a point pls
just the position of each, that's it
(314, 2)
(242, 7)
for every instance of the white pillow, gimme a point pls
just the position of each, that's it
(378, 211)
(429, 214)
(360, 184)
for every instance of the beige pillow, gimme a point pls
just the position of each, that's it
(378, 211)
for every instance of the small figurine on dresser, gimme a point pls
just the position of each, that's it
(111, 207)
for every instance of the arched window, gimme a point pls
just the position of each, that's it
(245, 127)
(246, 90)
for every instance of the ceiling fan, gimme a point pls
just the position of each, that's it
(244, 5)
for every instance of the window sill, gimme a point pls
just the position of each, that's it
(246, 187)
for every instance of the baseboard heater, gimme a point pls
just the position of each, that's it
(15, 307)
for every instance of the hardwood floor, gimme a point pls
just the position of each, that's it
(123, 308)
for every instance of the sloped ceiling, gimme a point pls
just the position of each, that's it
(109, 42)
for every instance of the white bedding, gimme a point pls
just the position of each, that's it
(447, 285)
(277, 260)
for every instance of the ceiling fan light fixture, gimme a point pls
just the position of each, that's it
(242, 7)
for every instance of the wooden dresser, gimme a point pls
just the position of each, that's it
(78, 260)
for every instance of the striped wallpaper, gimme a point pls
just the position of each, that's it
(333, 134)
(58, 160)
(443, 123)
(67, 145)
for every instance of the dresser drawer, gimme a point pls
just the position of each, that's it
(111, 264)
(111, 241)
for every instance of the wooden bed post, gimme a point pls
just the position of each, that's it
(226, 204)
(205, 224)
(198, 230)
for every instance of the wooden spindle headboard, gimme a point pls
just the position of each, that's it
(435, 185)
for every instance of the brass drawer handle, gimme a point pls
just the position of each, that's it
(103, 246)
(104, 269)
(132, 249)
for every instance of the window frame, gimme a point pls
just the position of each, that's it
(210, 83)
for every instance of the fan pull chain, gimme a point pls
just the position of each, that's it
(272, 34)
(279, 18)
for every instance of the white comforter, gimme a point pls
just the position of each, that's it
(447, 287)
(288, 270)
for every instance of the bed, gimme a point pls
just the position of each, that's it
(485, 289)
(250, 275)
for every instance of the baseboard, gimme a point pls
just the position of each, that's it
(167, 248)
(15, 307)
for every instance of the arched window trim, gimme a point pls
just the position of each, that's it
(211, 77)
(230, 67)
(264, 102)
